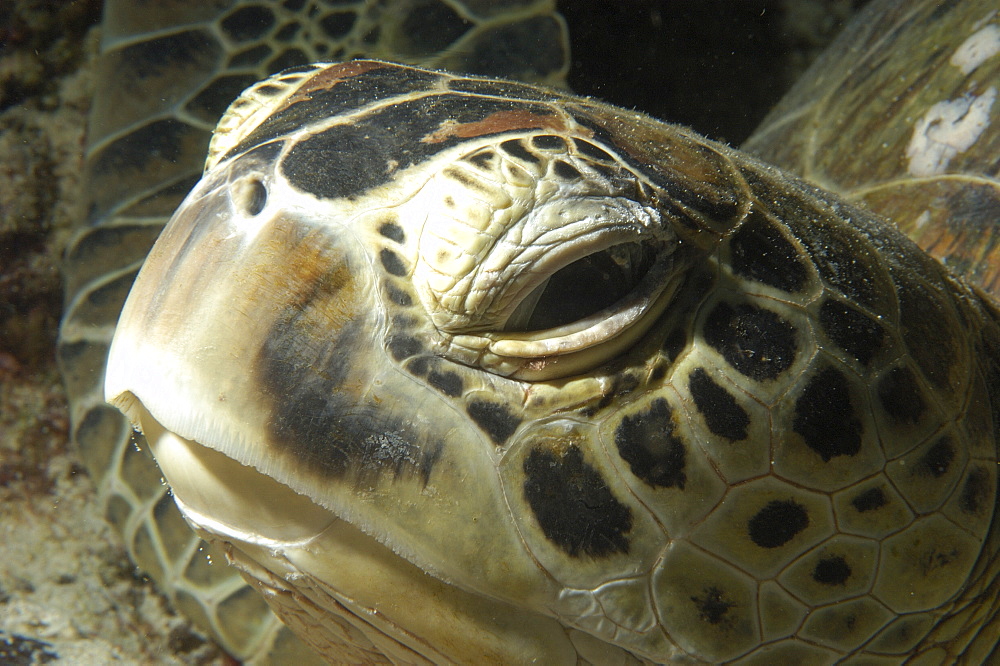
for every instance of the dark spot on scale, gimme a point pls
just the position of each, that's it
(712, 605)
(722, 414)
(573, 505)
(398, 296)
(900, 396)
(338, 25)
(448, 383)
(392, 263)
(449, 201)
(927, 330)
(249, 57)
(755, 341)
(248, 23)
(842, 261)
(646, 441)
(404, 346)
(976, 491)
(286, 34)
(832, 570)
(494, 419)
(587, 149)
(392, 231)
(565, 170)
(481, 159)
(658, 373)
(937, 459)
(825, 417)
(674, 344)
(869, 500)
(418, 367)
(777, 523)
(762, 253)
(851, 330)
(548, 142)
(515, 148)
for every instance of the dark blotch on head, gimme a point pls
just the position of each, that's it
(548, 142)
(976, 491)
(515, 148)
(852, 330)
(494, 419)
(712, 605)
(832, 570)
(592, 151)
(392, 231)
(937, 459)
(900, 396)
(755, 341)
(565, 170)
(448, 383)
(869, 500)
(842, 260)
(391, 134)
(315, 414)
(391, 262)
(761, 252)
(481, 159)
(674, 344)
(777, 523)
(418, 366)
(398, 296)
(646, 441)
(928, 331)
(825, 418)
(573, 505)
(403, 346)
(722, 414)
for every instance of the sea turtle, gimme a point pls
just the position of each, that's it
(486, 369)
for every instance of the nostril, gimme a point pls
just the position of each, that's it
(251, 196)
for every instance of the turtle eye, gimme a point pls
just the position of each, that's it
(583, 288)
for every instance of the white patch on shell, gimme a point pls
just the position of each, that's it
(977, 49)
(947, 129)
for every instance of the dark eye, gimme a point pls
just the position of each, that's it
(583, 288)
(251, 196)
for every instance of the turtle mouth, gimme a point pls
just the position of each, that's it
(245, 505)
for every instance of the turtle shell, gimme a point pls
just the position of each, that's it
(903, 121)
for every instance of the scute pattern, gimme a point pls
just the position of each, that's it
(767, 455)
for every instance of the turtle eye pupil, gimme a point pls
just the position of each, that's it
(251, 196)
(582, 288)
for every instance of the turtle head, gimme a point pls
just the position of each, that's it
(352, 322)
